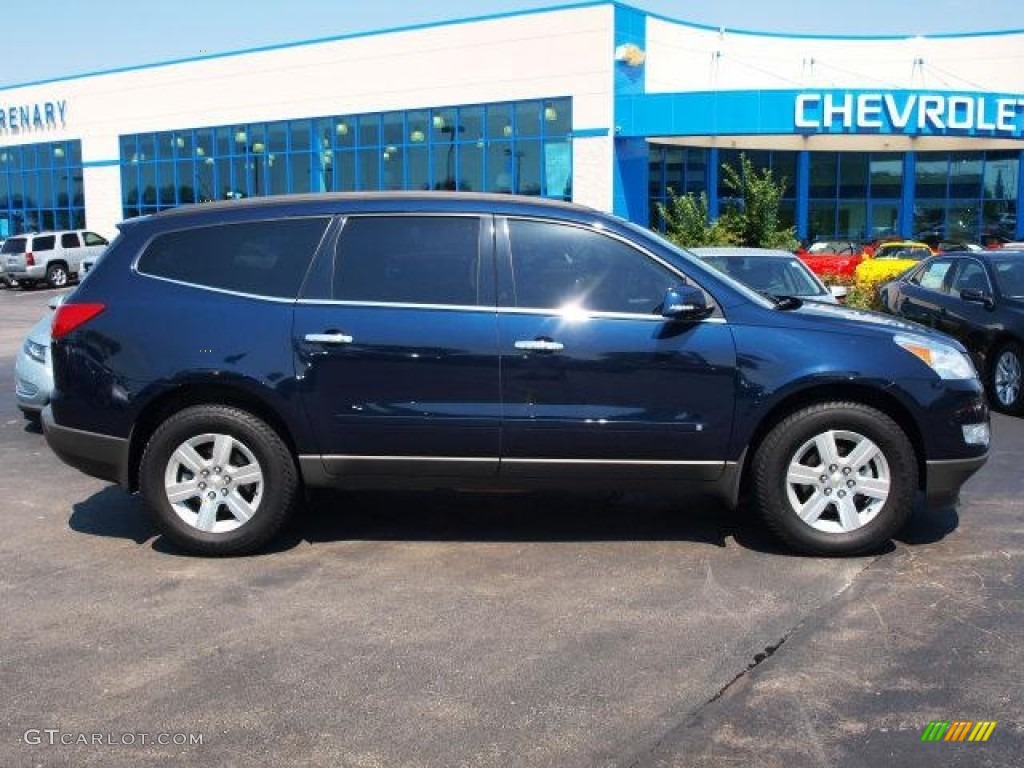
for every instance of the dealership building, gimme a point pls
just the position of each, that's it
(597, 102)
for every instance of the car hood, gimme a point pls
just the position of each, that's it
(838, 318)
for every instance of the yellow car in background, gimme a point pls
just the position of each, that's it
(891, 260)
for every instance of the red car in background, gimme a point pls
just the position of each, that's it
(832, 257)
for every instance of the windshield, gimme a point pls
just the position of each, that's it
(14, 245)
(779, 276)
(1009, 276)
(910, 253)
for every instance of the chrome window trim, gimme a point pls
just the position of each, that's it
(624, 462)
(585, 315)
(477, 459)
(346, 457)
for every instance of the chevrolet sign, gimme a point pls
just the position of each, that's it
(901, 112)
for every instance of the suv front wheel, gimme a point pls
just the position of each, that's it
(218, 480)
(836, 479)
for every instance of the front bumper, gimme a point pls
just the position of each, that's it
(97, 455)
(944, 477)
(33, 383)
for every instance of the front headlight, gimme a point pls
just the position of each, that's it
(948, 362)
(36, 351)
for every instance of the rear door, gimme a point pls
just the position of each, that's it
(399, 359)
(922, 295)
(71, 246)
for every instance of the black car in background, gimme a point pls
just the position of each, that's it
(978, 298)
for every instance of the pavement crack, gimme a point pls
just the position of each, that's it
(758, 658)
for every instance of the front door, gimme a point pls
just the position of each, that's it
(593, 378)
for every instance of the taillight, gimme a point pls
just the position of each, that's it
(30, 260)
(70, 316)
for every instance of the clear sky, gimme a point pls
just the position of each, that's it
(47, 39)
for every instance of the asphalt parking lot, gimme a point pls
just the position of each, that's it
(486, 630)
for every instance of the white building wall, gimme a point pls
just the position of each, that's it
(530, 56)
(683, 58)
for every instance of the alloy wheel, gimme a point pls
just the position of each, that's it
(838, 481)
(214, 483)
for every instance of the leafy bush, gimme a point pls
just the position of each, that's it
(686, 222)
(754, 221)
(865, 295)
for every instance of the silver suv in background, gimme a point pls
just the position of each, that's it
(51, 257)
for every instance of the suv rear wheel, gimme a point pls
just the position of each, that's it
(218, 480)
(836, 479)
(57, 275)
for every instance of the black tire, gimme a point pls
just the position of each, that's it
(57, 275)
(253, 444)
(842, 425)
(1004, 379)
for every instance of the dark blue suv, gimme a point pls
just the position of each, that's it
(222, 357)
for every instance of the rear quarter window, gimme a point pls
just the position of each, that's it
(263, 258)
(14, 245)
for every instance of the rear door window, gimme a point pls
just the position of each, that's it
(409, 260)
(69, 240)
(44, 242)
(932, 276)
(263, 258)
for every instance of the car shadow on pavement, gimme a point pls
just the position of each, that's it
(113, 513)
(486, 517)
(927, 526)
(455, 516)
(526, 517)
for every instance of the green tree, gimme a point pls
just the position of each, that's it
(686, 222)
(756, 219)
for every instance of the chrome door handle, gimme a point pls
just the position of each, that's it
(328, 338)
(540, 345)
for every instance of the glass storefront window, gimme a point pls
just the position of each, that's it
(40, 186)
(473, 147)
(853, 175)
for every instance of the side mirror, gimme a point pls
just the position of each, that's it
(685, 304)
(838, 292)
(977, 297)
